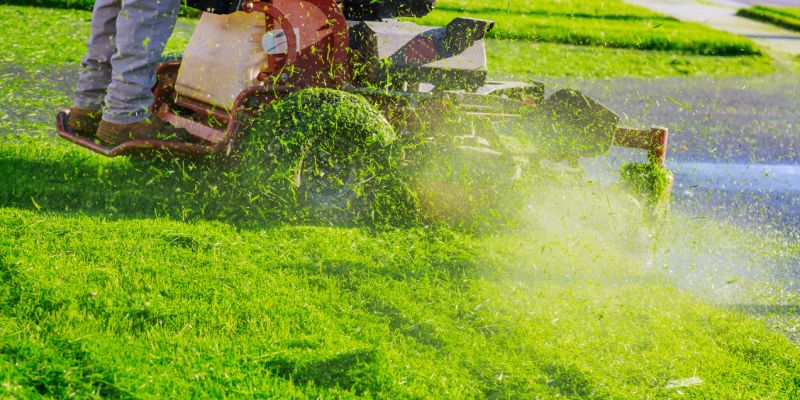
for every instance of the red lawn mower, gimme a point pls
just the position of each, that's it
(245, 55)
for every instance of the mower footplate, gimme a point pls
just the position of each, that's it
(128, 148)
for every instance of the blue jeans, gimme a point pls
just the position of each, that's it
(124, 50)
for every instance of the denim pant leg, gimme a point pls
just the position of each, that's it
(143, 28)
(96, 65)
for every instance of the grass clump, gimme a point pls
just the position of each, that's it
(135, 306)
(652, 180)
(534, 60)
(321, 153)
(785, 17)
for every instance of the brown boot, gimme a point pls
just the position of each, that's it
(84, 121)
(149, 129)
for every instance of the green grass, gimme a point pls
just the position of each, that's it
(126, 278)
(120, 304)
(536, 60)
(608, 9)
(787, 17)
(641, 34)
(598, 23)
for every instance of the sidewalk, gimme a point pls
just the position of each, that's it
(721, 14)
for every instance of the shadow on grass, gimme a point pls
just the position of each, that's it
(115, 189)
(76, 182)
(357, 370)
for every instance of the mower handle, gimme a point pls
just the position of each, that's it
(273, 11)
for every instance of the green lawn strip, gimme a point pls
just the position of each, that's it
(101, 296)
(644, 34)
(533, 60)
(607, 9)
(788, 17)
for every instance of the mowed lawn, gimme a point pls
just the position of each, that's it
(102, 299)
(116, 284)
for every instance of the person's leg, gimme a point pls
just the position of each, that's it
(143, 27)
(95, 74)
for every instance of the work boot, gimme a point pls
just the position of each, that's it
(150, 129)
(84, 121)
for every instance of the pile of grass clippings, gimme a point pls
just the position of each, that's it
(323, 154)
(653, 181)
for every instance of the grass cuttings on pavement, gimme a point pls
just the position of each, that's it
(323, 154)
(597, 23)
(116, 303)
(609, 9)
(786, 17)
(641, 34)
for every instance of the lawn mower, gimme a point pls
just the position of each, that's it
(245, 55)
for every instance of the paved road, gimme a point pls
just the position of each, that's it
(736, 120)
(721, 14)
